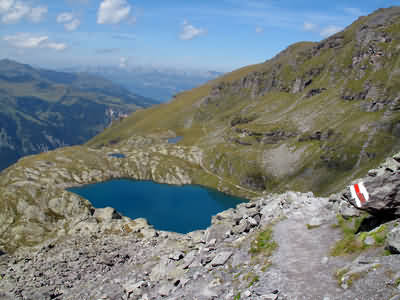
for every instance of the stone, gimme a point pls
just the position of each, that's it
(221, 258)
(252, 222)
(324, 260)
(393, 240)
(133, 287)
(383, 189)
(348, 211)
(188, 259)
(247, 294)
(177, 255)
(316, 221)
(106, 214)
(242, 227)
(165, 290)
(269, 297)
(369, 240)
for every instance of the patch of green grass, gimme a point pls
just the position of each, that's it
(397, 282)
(310, 227)
(254, 280)
(264, 244)
(266, 266)
(339, 275)
(352, 242)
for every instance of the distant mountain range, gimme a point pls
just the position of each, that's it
(42, 109)
(157, 83)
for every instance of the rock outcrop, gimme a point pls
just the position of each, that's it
(383, 186)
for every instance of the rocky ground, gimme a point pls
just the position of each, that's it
(275, 247)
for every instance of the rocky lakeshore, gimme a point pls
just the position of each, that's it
(280, 246)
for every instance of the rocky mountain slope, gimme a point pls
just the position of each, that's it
(311, 118)
(43, 109)
(276, 247)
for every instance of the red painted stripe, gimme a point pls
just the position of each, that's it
(359, 194)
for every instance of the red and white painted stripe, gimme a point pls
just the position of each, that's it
(359, 194)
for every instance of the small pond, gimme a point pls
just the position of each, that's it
(175, 140)
(172, 208)
(117, 155)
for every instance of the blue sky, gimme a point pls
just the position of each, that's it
(205, 34)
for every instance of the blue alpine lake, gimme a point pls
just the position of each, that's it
(167, 207)
(117, 155)
(175, 140)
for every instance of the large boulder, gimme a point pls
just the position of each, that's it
(393, 240)
(383, 187)
(106, 214)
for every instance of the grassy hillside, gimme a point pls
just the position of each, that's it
(313, 117)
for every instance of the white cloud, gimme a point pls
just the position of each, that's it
(190, 32)
(259, 29)
(71, 23)
(330, 30)
(56, 46)
(28, 41)
(65, 17)
(12, 11)
(307, 26)
(5, 5)
(37, 13)
(123, 62)
(24, 40)
(17, 11)
(113, 11)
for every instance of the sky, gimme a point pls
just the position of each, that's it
(219, 35)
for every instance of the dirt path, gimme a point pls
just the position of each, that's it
(302, 266)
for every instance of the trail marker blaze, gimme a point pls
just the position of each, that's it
(359, 194)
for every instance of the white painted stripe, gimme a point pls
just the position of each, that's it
(363, 190)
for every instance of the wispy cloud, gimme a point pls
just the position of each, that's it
(307, 26)
(65, 17)
(113, 11)
(12, 11)
(37, 13)
(259, 29)
(123, 62)
(70, 21)
(30, 41)
(189, 32)
(108, 50)
(124, 36)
